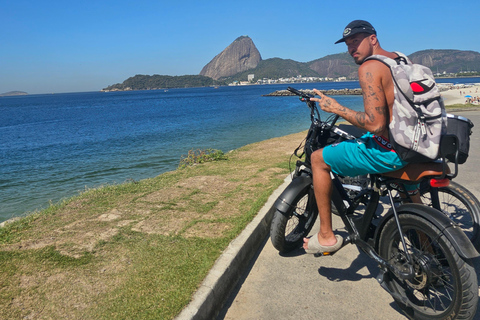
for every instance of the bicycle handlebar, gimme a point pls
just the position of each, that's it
(305, 97)
(300, 93)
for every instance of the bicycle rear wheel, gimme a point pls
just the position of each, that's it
(459, 205)
(444, 287)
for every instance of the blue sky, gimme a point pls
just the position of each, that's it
(65, 46)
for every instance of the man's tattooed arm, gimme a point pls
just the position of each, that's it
(375, 116)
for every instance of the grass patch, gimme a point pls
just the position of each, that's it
(159, 280)
(137, 250)
(201, 156)
(50, 256)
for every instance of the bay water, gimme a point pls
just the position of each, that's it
(54, 146)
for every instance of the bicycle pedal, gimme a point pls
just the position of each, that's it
(323, 254)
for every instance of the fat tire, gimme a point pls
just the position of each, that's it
(451, 281)
(459, 205)
(288, 229)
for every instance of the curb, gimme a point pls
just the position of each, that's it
(228, 269)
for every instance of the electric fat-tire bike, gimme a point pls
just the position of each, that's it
(424, 256)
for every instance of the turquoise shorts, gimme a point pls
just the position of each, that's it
(367, 154)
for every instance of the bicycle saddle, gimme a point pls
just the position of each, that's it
(417, 171)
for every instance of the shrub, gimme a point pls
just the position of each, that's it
(200, 156)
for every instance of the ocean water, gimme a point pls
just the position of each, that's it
(54, 146)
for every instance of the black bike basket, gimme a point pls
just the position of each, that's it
(462, 128)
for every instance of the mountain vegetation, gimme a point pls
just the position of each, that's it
(146, 82)
(334, 66)
(449, 61)
(275, 68)
(241, 59)
(13, 93)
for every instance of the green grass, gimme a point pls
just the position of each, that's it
(137, 250)
(201, 156)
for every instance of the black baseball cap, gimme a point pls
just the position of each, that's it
(357, 26)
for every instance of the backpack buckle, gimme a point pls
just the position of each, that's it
(400, 59)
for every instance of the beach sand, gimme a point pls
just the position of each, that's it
(456, 94)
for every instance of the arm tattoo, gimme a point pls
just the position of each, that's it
(357, 118)
(372, 94)
(369, 77)
(375, 104)
(380, 110)
(360, 118)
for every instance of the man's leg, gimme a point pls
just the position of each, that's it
(413, 193)
(322, 186)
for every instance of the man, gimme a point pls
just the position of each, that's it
(366, 154)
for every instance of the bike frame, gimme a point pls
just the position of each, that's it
(358, 229)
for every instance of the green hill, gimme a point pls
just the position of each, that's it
(442, 62)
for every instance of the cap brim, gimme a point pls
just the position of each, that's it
(354, 33)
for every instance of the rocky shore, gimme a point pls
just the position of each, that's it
(332, 92)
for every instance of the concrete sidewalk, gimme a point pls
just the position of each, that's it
(252, 281)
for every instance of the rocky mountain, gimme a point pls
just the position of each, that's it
(242, 58)
(450, 61)
(239, 56)
(333, 66)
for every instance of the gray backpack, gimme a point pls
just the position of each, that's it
(418, 115)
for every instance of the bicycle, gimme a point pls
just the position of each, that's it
(424, 257)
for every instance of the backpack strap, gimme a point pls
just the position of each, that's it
(392, 64)
(401, 58)
(389, 61)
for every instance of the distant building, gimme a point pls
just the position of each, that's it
(250, 77)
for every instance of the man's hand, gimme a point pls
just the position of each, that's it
(326, 103)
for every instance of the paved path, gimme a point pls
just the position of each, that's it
(342, 286)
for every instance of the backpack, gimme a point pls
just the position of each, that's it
(418, 115)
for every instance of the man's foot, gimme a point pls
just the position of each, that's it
(313, 246)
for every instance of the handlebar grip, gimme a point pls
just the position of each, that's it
(295, 91)
(299, 93)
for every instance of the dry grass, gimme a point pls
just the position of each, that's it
(136, 250)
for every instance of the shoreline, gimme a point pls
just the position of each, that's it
(458, 94)
(451, 97)
(451, 94)
(329, 92)
(4, 223)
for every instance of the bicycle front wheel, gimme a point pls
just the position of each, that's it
(288, 229)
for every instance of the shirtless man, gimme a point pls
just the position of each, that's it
(366, 154)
